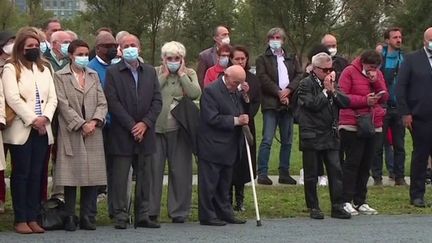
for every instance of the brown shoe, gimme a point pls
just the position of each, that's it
(34, 226)
(23, 228)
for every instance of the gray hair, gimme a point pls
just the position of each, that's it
(319, 59)
(72, 34)
(274, 31)
(173, 48)
(120, 35)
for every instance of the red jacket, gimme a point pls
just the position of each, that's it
(357, 86)
(213, 74)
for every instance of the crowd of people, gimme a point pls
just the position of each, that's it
(102, 116)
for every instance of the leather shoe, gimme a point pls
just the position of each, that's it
(147, 224)
(34, 226)
(86, 223)
(234, 221)
(178, 220)
(287, 179)
(340, 213)
(120, 224)
(213, 222)
(400, 182)
(264, 180)
(23, 228)
(70, 223)
(418, 202)
(316, 213)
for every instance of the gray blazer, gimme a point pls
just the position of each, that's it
(206, 59)
(129, 104)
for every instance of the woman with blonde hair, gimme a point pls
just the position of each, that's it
(30, 93)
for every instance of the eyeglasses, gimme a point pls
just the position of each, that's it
(326, 70)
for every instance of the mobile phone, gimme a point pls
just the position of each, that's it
(381, 93)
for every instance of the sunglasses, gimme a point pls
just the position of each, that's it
(326, 70)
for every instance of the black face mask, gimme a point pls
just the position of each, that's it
(32, 54)
(111, 53)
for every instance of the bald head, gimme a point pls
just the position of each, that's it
(234, 76)
(428, 38)
(329, 41)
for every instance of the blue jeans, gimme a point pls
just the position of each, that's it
(272, 119)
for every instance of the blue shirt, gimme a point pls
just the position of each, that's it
(392, 61)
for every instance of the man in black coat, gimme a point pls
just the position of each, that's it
(219, 139)
(134, 102)
(318, 105)
(414, 104)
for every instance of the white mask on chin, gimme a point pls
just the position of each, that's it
(226, 41)
(332, 51)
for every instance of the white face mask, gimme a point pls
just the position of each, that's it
(8, 48)
(332, 51)
(226, 41)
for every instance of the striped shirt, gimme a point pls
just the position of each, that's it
(38, 107)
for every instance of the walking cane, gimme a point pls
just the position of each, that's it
(249, 140)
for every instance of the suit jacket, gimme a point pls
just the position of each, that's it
(414, 86)
(206, 59)
(218, 137)
(25, 87)
(129, 104)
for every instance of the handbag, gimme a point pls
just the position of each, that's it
(53, 215)
(365, 125)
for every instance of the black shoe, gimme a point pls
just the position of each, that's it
(147, 224)
(378, 182)
(70, 223)
(86, 223)
(178, 220)
(418, 203)
(316, 214)
(287, 179)
(400, 182)
(212, 222)
(340, 213)
(264, 180)
(120, 224)
(234, 221)
(153, 218)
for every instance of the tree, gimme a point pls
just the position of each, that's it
(7, 15)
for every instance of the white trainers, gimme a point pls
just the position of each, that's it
(322, 180)
(349, 208)
(301, 179)
(365, 209)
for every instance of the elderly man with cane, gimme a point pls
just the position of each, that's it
(318, 103)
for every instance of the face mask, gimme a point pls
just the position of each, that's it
(112, 53)
(43, 47)
(32, 54)
(130, 53)
(332, 51)
(173, 66)
(64, 49)
(115, 60)
(275, 44)
(8, 48)
(226, 40)
(430, 46)
(81, 61)
(223, 61)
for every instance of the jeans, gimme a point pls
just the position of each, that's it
(272, 119)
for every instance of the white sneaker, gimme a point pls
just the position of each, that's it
(322, 180)
(365, 209)
(301, 179)
(349, 208)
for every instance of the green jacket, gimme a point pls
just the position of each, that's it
(173, 88)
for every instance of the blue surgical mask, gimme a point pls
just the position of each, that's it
(81, 61)
(430, 46)
(223, 61)
(173, 66)
(115, 60)
(130, 53)
(64, 49)
(275, 44)
(43, 47)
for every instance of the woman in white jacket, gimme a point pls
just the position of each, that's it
(30, 92)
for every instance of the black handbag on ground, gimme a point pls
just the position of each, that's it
(365, 125)
(53, 214)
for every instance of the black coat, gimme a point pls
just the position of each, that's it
(129, 105)
(339, 64)
(187, 115)
(318, 115)
(241, 173)
(218, 138)
(267, 73)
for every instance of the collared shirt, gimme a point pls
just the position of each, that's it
(429, 55)
(134, 71)
(59, 62)
(282, 70)
(101, 61)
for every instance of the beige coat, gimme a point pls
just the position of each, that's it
(2, 119)
(14, 92)
(80, 161)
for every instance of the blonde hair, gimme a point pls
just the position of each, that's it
(173, 48)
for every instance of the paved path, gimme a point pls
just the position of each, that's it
(402, 228)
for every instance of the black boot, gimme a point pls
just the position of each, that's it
(285, 178)
(239, 196)
(70, 223)
(86, 223)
